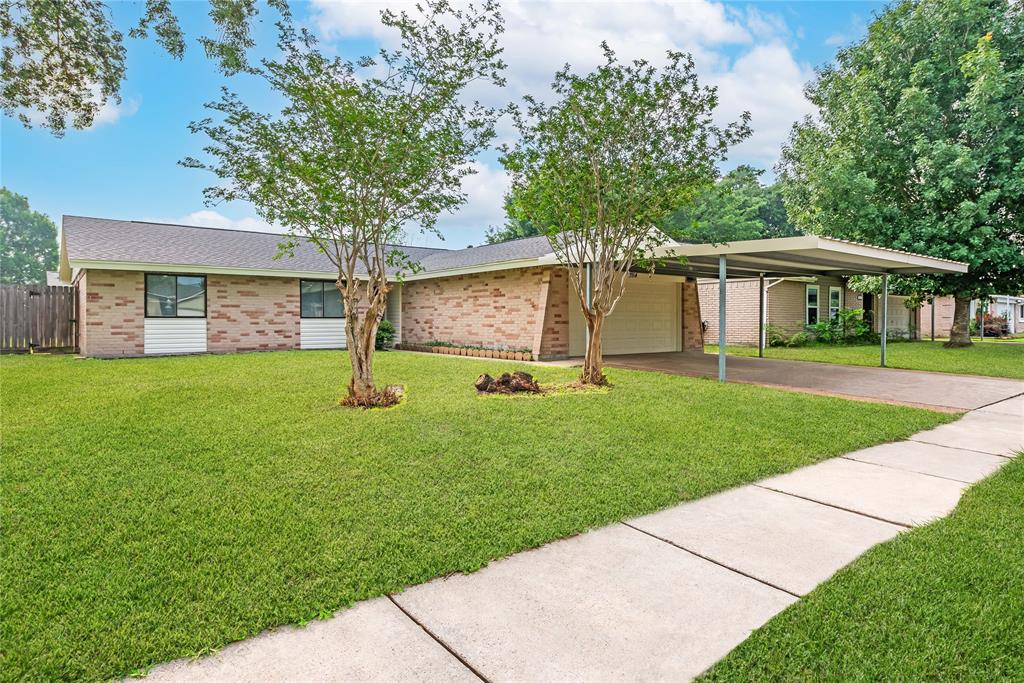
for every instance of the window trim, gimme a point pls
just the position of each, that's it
(303, 316)
(807, 304)
(833, 288)
(145, 297)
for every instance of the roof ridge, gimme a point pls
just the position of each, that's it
(210, 227)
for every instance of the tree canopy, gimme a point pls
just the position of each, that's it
(361, 150)
(918, 143)
(62, 60)
(599, 171)
(28, 241)
(737, 207)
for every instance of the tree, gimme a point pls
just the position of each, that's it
(919, 145)
(601, 169)
(514, 229)
(737, 207)
(28, 241)
(64, 59)
(360, 150)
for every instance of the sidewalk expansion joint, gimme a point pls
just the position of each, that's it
(708, 559)
(837, 507)
(900, 469)
(1002, 400)
(960, 448)
(438, 640)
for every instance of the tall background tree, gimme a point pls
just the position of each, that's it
(28, 241)
(919, 145)
(600, 170)
(361, 150)
(737, 207)
(63, 59)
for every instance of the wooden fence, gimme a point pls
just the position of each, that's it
(37, 317)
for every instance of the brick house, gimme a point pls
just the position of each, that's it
(793, 303)
(998, 306)
(155, 288)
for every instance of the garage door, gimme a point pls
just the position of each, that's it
(898, 324)
(646, 320)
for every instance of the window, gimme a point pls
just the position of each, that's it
(835, 301)
(175, 296)
(812, 304)
(319, 299)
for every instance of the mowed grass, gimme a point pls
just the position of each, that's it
(159, 508)
(942, 602)
(993, 360)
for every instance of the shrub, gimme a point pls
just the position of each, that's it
(778, 336)
(385, 336)
(847, 327)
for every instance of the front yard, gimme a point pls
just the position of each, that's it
(993, 360)
(942, 602)
(157, 508)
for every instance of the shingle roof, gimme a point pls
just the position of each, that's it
(101, 239)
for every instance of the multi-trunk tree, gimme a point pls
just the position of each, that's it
(919, 145)
(28, 241)
(361, 150)
(599, 171)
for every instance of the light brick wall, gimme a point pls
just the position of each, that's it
(111, 314)
(554, 341)
(252, 313)
(693, 336)
(496, 310)
(740, 310)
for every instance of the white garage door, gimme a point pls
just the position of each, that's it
(898, 324)
(646, 320)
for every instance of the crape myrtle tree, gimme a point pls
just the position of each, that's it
(360, 150)
(63, 59)
(919, 145)
(600, 170)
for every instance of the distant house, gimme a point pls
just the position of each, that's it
(792, 303)
(1012, 307)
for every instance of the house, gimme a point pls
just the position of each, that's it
(155, 288)
(998, 306)
(792, 303)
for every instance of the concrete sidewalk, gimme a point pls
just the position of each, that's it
(659, 597)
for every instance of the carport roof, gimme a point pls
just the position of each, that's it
(798, 256)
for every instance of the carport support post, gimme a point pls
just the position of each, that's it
(885, 312)
(721, 318)
(760, 315)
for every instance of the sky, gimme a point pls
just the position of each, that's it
(759, 55)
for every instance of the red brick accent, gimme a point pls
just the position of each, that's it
(554, 340)
(693, 334)
(111, 315)
(497, 309)
(252, 313)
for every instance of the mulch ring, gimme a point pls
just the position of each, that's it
(523, 383)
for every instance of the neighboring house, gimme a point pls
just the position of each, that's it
(53, 280)
(792, 303)
(155, 288)
(997, 306)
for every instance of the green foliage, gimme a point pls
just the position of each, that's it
(28, 241)
(513, 229)
(63, 60)
(847, 327)
(178, 504)
(737, 207)
(939, 602)
(777, 336)
(385, 335)
(919, 142)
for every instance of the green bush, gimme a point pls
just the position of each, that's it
(385, 336)
(778, 336)
(847, 327)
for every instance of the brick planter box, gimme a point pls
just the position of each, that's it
(463, 351)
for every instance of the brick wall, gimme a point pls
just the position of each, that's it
(252, 313)
(496, 310)
(740, 310)
(693, 336)
(554, 339)
(111, 314)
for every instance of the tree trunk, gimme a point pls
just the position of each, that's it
(360, 387)
(361, 337)
(593, 362)
(960, 332)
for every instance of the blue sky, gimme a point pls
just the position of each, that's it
(758, 54)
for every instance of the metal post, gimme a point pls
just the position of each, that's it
(721, 318)
(933, 318)
(760, 315)
(885, 313)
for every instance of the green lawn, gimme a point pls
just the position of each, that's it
(994, 360)
(943, 602)
(157, 508)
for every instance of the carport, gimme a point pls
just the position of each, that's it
(804, 256)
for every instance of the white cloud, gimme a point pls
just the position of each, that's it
(110, 112)
(213, 219)
(742, 51)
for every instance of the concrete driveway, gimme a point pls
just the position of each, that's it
(913, 387)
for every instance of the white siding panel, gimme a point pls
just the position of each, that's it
(394, 311)
(322, 333)
(174, 335)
